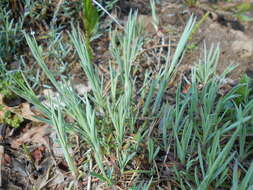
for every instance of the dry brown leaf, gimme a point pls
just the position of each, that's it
(27, 113)
(34, 135)
(7, 159)
(147, 23)
(37, 154)
(23, 110)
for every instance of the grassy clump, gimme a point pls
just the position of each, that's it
(137, 138)
(11, 37)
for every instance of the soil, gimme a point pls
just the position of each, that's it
(235, 38)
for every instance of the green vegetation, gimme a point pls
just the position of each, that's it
(238, 10)
(131, 133)
(5, 82)
(11, 119)
(90, 21)
(10, 35)
(241, 9)
(201, 128)
(7, 116)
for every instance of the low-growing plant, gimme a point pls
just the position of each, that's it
(10, 118)
(154, 15)
(86, 120)
(90, 21)
(91, 17)
(241, 9)
(10, 35)
(133, 131)
(6, 81)
(60, 128)
(244, 91)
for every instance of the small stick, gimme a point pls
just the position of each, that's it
(89, 178)
(112, 17)
(1, 160)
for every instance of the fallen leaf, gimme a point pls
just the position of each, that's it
(23, 110)
(34, 135)
(20, 167)
(63, 166)
(26, 112)
(56, 147)
(147, 23)
(82, 89)
(47, 165)
(7, 159)
(37, 154)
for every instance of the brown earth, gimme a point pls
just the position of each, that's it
(234, 37)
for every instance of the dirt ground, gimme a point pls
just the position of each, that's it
(234, 37)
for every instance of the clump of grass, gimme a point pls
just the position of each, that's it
(10, 35)
(201, 138)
